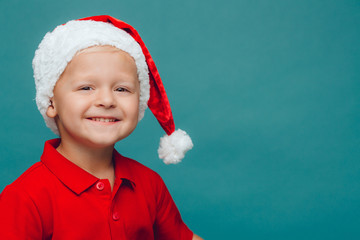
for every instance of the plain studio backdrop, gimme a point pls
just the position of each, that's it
(268, 90)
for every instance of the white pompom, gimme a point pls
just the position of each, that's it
(173, 148)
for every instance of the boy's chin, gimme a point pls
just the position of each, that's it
(101, 144)
(95, 140)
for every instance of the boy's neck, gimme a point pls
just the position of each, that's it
(96, 161)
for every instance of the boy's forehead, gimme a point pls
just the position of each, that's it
(87, 52)
(83, 61)
(102, 48)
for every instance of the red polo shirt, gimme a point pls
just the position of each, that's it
(55, 199)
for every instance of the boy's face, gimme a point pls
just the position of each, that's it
(96, 99)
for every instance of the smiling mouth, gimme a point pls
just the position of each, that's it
(96, 119)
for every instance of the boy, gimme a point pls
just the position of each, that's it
(94, 79)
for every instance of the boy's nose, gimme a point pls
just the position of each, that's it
(105, 98)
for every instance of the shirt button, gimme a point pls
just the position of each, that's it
(100, 186)
(116, 216)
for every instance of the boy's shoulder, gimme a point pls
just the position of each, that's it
(34, 175)
(32, 182)
(135, 165)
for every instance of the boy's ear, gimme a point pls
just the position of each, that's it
(51, 111)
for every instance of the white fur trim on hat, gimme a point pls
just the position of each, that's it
(172, 148)
(59, 46)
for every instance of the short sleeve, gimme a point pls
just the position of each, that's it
(19, 217)
(168, 223)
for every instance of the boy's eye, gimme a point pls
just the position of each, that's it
(86, 88)
(120, 89)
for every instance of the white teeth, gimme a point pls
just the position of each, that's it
(103, 119)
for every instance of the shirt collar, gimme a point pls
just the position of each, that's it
(74, 177)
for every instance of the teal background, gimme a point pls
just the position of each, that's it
(268, 90)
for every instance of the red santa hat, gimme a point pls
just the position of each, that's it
(58, 48)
